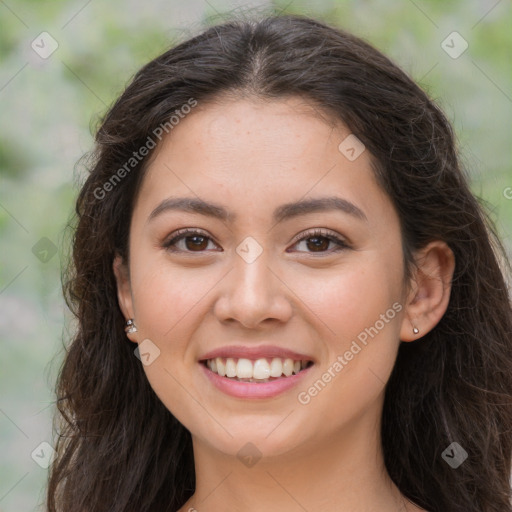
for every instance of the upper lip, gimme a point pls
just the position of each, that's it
(262, 351)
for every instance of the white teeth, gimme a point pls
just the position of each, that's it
(276, 367)
(260, 370)
(288, 367)
(244, 369)
(221, 367)
(230, 367)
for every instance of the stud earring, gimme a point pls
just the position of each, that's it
(130, 326)
(415, 330)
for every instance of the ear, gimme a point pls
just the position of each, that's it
(124, 291)
(430, 289)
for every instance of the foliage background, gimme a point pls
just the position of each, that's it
(50, 107)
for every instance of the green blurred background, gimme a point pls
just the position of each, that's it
(50, 107)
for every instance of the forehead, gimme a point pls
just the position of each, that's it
(233, 128)
(253, 153)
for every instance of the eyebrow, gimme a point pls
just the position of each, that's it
(281, 213)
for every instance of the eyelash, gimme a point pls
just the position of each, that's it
(317, 232)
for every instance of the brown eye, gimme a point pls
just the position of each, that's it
(191, 241)
(196, 242)
(318, 241)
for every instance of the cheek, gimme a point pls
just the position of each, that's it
(166, 302)
(353, 297)
(359, 308)
(165, 295)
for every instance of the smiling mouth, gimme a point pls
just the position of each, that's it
(259, 370)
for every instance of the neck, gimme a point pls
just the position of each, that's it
(345, 472)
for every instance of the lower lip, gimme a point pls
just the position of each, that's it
(253, 389)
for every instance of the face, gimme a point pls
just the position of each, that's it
(268, 281)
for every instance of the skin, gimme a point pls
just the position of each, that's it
(251, 156)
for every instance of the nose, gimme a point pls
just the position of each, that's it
(253, 294)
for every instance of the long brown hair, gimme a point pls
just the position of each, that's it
(120, 449)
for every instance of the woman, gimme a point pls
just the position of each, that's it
(287, 296)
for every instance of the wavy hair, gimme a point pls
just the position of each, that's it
(119, 449)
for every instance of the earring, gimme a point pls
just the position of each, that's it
(130, 326)
(415, 330)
